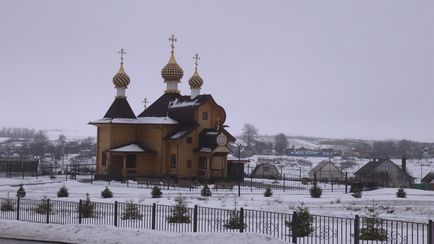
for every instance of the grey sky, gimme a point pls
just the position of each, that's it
(343, 69)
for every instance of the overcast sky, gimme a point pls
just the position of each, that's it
(340, 69)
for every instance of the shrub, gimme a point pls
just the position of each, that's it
(44, 207)
(301, 226)
(156, 192)
(401, 193)
(304, 181)
(131, 211)
(63, 192)
(315, 191)
(268, 192)
(357, 194)
(234, 221)
(180, 212)
(7, 204)
(372, 227)
(355, 187)
(205, 192)
(87, 208)
(21, 192)
(106, 193)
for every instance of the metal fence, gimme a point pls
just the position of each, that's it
(292, 227)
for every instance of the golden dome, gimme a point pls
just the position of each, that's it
(195, 81)
(172, 71)
(121, 79)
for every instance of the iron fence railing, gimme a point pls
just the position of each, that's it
(295, 227)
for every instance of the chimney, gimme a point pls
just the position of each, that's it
(404, 164)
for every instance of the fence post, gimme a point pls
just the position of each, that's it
(154, 208)
(66, 173)
(294, 227)
(346, 182)
(116, 214)
(18, 208)
(430, 232)
(195, 219)
(283, 182)
(48, 211)
(251, 183)
(331, 182)
(80, 205)
(239, 188)
(241, 220)
(356, 229)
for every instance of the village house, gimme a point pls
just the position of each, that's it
(177, 136)
(384, 173)
(326, 170)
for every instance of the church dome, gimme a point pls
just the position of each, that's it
(195, 81)
(121, 79)
(172, 71)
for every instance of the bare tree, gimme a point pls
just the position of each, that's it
(249, 133)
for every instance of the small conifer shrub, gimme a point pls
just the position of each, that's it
(156, 192)
(234, 221)
(302, 224)
(21, 192)
(63, 192)
(401, 193)
(87, 208)
(372, 229)
(315, 191)
(7, 204)
(179, 212)
(131, 211)
(44, 207)
(268, 192)
(106, 193)
(205, 192)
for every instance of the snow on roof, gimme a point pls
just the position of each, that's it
(177, 104)
(205, 149)
(212, 133)
(128, 148)
(140, 120)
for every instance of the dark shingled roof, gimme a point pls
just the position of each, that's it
(428, 178)
(371, 165)
(178, 107)
(120, 108)
(181, 132)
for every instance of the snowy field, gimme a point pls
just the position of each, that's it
(417, 207)
(113, 235)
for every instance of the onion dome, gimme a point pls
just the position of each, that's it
(172, 71)
(121, 79)
(195, 81)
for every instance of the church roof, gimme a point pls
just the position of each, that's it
(181, 132)
(132, 148)
(120, 108)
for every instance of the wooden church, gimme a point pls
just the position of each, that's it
(178, 136)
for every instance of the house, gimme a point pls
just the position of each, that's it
(326, 170)
(177, 136)
(385, 173)
(266, 170)
(428, 178)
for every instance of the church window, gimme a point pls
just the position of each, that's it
(204, 115)
(189, 140)
(172, 160)
(104, 160)
(188, 164)
(131, 161)
(202, 163)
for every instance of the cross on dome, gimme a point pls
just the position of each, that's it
(196, 58)
(172, 41)
(122, 53)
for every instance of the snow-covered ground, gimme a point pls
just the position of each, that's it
(417, 207)
(110, 234)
